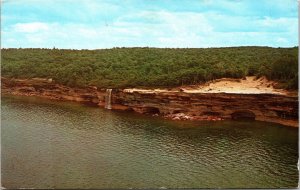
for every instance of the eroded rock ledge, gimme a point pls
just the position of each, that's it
(179, 105)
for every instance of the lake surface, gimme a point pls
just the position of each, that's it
(50, 144)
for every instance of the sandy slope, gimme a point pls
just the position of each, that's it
(248, 85)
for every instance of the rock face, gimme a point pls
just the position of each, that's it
(214, 106)
(174, 105)
(49, 89)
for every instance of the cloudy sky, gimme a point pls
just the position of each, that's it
(95, 24)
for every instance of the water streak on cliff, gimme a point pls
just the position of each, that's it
(108, 99)
(176, 105)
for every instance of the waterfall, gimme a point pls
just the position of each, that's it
(108, 99)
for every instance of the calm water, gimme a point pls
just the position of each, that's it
(48, 144)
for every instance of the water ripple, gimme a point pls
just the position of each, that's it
(63, 145)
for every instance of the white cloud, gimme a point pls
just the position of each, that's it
(95, 7)
(156, 28)
(281, 40)
(287, 24)
(31, 27)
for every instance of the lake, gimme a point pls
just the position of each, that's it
(52, 144)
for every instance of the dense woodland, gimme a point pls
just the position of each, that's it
(151, 67)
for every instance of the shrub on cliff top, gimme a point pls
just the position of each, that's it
(151, 67)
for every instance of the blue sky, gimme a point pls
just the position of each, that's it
(95, 24)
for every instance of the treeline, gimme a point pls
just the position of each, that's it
(151, 67)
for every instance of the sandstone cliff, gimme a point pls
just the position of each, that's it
(181, 105)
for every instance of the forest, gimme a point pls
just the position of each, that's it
(150, 67)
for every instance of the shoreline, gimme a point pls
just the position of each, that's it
(174, 105)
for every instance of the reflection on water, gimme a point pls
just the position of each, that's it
(48, 144)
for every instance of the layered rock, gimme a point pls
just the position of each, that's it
(175, 105)
(51, 90)
(215, 106)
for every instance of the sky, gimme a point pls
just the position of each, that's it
(98, 24)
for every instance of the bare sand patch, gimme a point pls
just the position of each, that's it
(247, 85)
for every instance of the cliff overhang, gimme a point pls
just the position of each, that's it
(176, 105)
